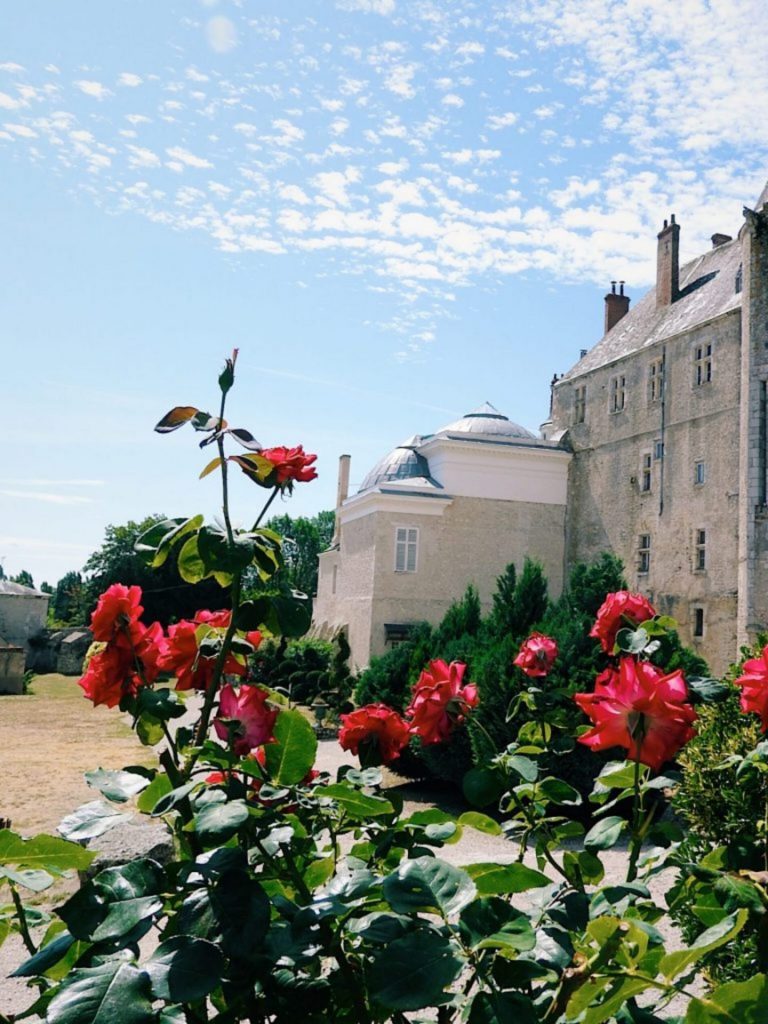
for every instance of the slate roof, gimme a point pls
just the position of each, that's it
(707, 291)
(17, 590)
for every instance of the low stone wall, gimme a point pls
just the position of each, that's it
(12, 669)
(59, 650)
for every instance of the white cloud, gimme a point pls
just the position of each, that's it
(398, 80)
(498, 121)
(93, 89)
(221, 34)
(22, 130)
(141, 157)
(338, 126)
(452, 100)
(289, 133)
(11, 68)
(294, 194)
(183, 156)
(48, 497)
(8, 102)
(130, 80)
(384, 7)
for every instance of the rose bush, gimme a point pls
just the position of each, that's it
(291, 895)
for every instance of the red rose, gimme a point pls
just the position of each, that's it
(124, 665)
(181, 656)
(754, 687)
(641, 709)
(254, 720)
(117, 613)
(621, 610)
(375, 733)
(439, 701)
(537, 655)
(291, 464)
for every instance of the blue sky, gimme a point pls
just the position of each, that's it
(396, 210)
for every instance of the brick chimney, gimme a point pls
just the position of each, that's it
(668, 264)
(616, 306)
(342, 492)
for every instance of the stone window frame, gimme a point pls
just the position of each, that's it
(703, 363)
(655, 380)
(580, 403)
(700, 549)
(406, 545)
(646, 472)
(699, 626)
(699, 472)
(658, 449)
(643, 554)
(618, 393)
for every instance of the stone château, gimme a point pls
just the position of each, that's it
(656, 449)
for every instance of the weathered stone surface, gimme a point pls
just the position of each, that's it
(130, 841)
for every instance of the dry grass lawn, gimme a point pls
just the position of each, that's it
(48, 738)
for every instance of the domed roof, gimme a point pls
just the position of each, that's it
(401, 464)
(486, 420)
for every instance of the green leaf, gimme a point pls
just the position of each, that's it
(216, 823)
(558, 792)
(149, 730)
(614, 995)
(116, 786)
(45, 957)
(491, 923)
(185, 969)
(356, 804)
(502, 1008)
(589, 866)
(483, 786)
(289, 760)
(172, 797)
(32, 878)
(527, 769)
(412, 972)
(158, 787)
(242, 910)
(481, 823)
(505, 879)
(156, 543)
(632, 641)
(115, 901)
(43, 851)
(605, 834)
(161, 703)
(736, 1002)
(428, 883)
(714, 937)
(90, 820)
(192, 569)
(707, 691)
(110, 993)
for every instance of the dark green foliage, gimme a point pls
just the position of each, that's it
(303, 540)
(24, 579)
(461, 620)
(720, 809)
(590, 582)
(389, 678)
(67, 606)
(306, 670)
(165, 596)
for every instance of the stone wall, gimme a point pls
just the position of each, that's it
(609, 509)
(22, 616)
(11, 669)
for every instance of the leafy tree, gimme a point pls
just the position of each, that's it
(303, 540)
(67, 607)
(24, 579)
(46, 588)
(166, 597)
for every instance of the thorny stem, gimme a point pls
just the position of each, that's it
(21, 915)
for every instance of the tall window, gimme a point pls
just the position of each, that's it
(699, 472)
(700, 554)
(645, 472)
(579, 403)
(655, 380)
(618, 386)
(644, 553)
(406, 545)
(702, 364)
(658, 449)
(698, 623)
